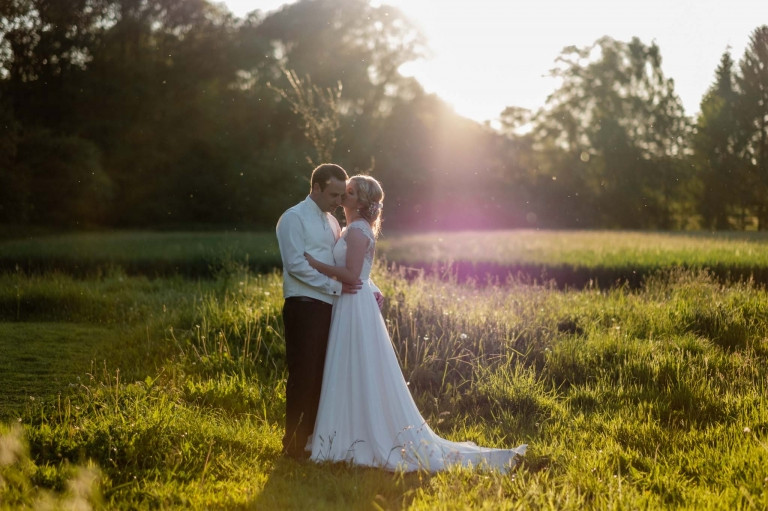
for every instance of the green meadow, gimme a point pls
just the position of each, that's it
(193, 254)
(569, 258)
(147, 371)
(581, 258)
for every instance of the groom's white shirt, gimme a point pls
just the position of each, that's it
(306, 228)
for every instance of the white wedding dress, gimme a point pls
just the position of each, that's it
(366, 414)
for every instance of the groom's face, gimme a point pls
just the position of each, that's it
(329, 198)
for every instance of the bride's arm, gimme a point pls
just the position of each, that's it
(357, 244)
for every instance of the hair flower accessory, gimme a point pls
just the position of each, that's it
(374, 208)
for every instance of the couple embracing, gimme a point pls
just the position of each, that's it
(346, 398)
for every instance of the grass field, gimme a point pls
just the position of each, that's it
(126, 387)
(194, 254)
(590, 249)
(568, 258)
(581, 258)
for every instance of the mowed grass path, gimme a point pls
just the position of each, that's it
(646, 397)
(40, 360)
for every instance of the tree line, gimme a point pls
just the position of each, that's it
(176, 113)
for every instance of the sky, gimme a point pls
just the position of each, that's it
(490, 54)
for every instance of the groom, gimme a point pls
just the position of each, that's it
(309, 227)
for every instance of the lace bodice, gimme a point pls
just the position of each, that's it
(340, 249)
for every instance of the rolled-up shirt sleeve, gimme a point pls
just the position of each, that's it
(290, 237)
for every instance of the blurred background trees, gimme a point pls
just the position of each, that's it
(169, 113)
(611, 137)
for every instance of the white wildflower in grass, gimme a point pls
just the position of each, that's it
(463, 337)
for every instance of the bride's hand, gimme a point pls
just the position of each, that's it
(311, 260)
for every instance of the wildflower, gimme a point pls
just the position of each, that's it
(463, 337)
(746, 429)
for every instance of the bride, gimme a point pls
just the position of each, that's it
(367, 415)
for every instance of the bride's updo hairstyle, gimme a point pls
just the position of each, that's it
(370, 197)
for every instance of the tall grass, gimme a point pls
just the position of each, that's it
(643, 397)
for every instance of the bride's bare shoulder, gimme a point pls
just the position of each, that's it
(360, 229)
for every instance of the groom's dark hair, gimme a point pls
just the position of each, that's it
(323, 173)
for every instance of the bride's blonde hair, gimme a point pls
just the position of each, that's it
(370, 200)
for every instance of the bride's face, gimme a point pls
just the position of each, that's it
(350, 197)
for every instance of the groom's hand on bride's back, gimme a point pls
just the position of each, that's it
(351, 288)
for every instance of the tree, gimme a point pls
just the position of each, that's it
(64, 184)
(12, 188)
(715, 148)
(349, 41)
(165, 72)
(43, 44)
(144, 86)
(619, 125)
(752, 112)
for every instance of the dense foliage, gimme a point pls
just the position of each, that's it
(128, 113)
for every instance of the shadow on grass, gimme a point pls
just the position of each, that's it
(330, 486)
